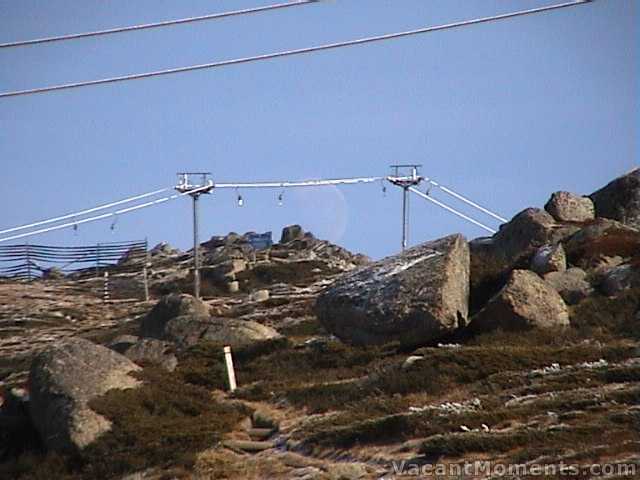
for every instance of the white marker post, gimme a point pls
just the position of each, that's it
(105, 292)
(230, 372)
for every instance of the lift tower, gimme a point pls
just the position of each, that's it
(204, 185)
(405, 176)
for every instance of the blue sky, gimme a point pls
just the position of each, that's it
(504, 112)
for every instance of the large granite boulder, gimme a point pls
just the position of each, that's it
(620, 199)
(171, 318)
(572, 285)
(602, 238)
(185, 321)
(525, 302)
(63, 380)
(414, 297)
(569, 207)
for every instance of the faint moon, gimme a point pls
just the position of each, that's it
(323, 211)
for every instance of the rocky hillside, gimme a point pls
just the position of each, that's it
(521, 350)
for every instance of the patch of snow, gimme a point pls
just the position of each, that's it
(451, 407)
(553, 368)
(406, 266)
(599, 364)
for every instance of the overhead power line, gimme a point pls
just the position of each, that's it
(451, 210)
(287, 53)
(84, 212)
(166, 23)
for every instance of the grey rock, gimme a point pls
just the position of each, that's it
(123, 342)
(185, 321)
(259, 296)
(572, 285)
(604, 264)
(602, 238)
(171, 317)
(228, 269)
(263, 419)
(414, 297)
(569, 207)
(620, 278)
(620, 199)
(237, 333)
(153, 351)
(260, 434)
(291, 232)
(550, 258)
(249, 446)
(163, 250)
(234, 287)
(63, 380)
(347, 471)
(525, 302)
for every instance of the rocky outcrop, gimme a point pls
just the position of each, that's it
(620, 199)
(63, 380)
(550, 258)
(569, 207)
(572, 284)
(602, 238)
(525, 302)
(414, 297)
(163, 250)
(185, 321)
(513, 246)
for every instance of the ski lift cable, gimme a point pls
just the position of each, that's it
(84, 212)
(466, 200)
(451, 210)
(105, 215)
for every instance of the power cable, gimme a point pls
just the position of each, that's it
(287, 53)
(166, 23)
